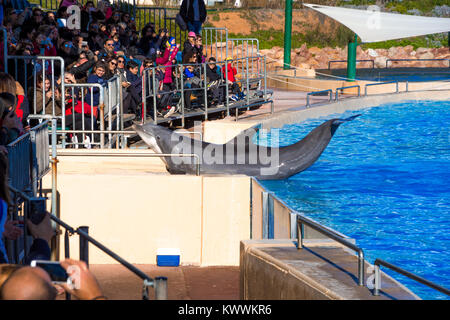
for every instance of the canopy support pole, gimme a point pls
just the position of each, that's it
(351, 59)
(287, 35)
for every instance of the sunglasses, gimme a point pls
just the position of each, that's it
(113, 63)
(110, 45)
(120, 61)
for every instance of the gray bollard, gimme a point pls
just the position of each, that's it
(84, 246)
(161, 288)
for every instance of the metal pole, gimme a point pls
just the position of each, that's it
(287, 35)
(161, 288)
(377, 284)
(155, 117)
(54, 161)
(84, 245)
(351, 59)
(360, 268)
(67, 254)
(182, 96)
(206, 91)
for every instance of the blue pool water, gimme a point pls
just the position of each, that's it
(383, 180)
(403, 77)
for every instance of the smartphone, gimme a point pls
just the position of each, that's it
(57, 273)
(37, 210)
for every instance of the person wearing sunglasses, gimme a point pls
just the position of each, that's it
(36, 19)
(107, 51)
(111, 71)
(68, 52)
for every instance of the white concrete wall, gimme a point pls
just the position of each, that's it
(134, 212)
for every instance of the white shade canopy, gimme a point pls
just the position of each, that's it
(374, 26)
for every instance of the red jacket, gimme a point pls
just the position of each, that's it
(231, 72)
(166, 60)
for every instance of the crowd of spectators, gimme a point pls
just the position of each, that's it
(107, 44)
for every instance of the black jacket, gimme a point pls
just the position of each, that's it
(188, 12)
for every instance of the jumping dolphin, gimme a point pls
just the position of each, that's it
(239, 155)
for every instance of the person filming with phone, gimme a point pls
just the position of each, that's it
(45, 279)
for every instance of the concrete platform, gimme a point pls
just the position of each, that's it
(184, 283)
(276, 269)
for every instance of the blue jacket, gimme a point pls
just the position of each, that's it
(93, 78)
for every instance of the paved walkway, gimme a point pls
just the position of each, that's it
(184, 283)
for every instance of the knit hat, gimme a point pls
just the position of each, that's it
(192, 34)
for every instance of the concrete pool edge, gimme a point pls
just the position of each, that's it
(296, 115)
(299, 114)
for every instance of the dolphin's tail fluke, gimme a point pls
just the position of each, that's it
(338, 122)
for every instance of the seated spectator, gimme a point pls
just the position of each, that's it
(81, 67)
(10, 125)
(116, 43)
(50, 19)
(92, 98)
(68, 52)
(229, 71)
(44, 99)
(36, 19)
(22, 106)
(121, 63)
(61, 17)
(214, 77)
(199, 49)
(133, 97)
(192, 81)
(189, 45)
(95, 42)
(89, 13)
(107, 51)
(111, 70)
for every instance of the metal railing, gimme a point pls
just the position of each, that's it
(345, 61)
(348, 87)
(5, 49)
(156, 15)
(377, 273)
(245, 47)
(54, 4)
(329, 91)
(20, 162)
(379, 84)
(160, 286)
(215, 42)
(298, 229)
(302, 220)
(414, 60)
(184, 88)
(40, 160)
(26, 68)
